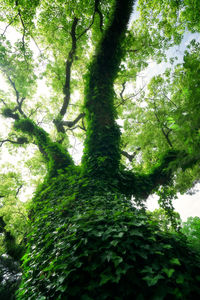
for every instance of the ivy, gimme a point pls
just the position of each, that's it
(99, 246)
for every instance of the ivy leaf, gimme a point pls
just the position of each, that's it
(152, 280)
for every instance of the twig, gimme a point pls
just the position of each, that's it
(3, 102)
(166, 135)
(18, 190)
(123, 100)
(9, 24)
(96, 10)
(19, 141)
(129, 156)
(14, 87)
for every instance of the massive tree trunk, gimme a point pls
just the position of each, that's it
(87, 241)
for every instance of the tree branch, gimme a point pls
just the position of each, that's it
(169, 99)
(18, 100)
(24, 30)
(131, 183)
(8, 113)
(67, 86)
(18, 190)
(9, 24)
(123, 100)
(19, 141)
(66, 89)
(166, 135)
(99, 96)
(56, 157)
(130, 156)
(3, 102)
(96, 10)
(72, 123)
(14, 87)
(69, 62)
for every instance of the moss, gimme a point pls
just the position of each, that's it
(56, 156)
(103, 134)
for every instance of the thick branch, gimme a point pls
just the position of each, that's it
(24, 29)
(19, 107)
(103, 134)
(97, 10)
(66, 89)
(8, 113)
(56, 157)
(142, 185)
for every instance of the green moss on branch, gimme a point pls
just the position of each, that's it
(142, 185)
(56, 156)
(102, 150)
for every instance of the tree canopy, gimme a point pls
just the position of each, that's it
(69, 71)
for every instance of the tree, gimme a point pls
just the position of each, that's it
(86, 239)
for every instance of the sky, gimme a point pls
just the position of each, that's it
(185, 205)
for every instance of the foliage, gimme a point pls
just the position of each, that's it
(13, 211)
(162, 218)
(99, 246)
(86, 240)
(191, 229)
(167, 119)
(10, 275)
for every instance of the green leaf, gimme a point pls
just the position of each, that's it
(169, 272)
(175, 261)
(151, 281)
